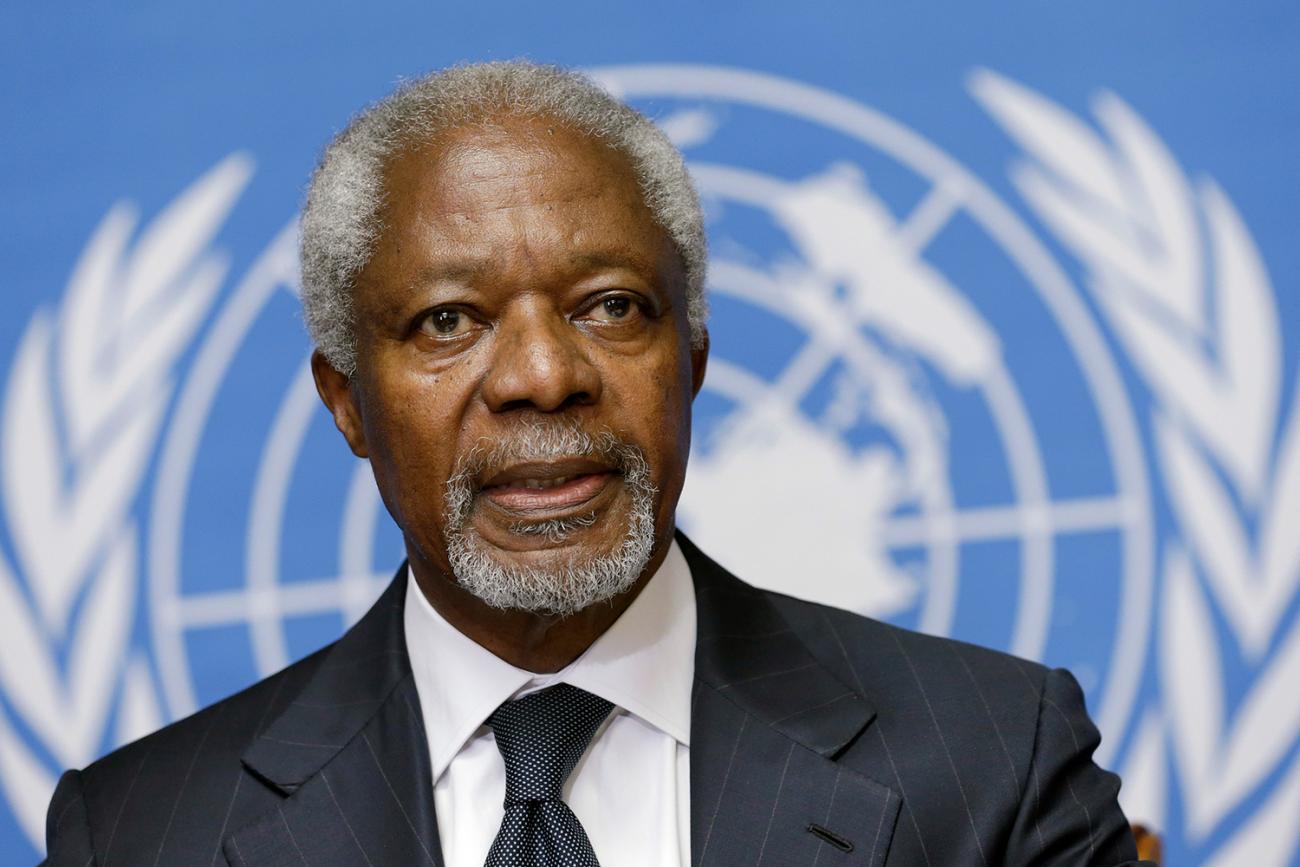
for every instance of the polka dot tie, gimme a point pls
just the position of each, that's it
(541, 737)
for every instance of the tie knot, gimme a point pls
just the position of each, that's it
(541, 737)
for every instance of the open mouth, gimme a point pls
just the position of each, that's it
(548, 488)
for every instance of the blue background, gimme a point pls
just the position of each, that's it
(102, 102)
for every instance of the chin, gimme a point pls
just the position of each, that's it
(558, 580)
(557, 566)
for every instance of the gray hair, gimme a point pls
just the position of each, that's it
(341, 223)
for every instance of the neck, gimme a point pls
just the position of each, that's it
(540, 643)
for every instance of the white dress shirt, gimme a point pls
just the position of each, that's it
(631, 789)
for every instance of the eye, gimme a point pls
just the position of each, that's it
(615, 309)
(446, 322)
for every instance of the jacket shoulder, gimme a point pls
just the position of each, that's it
(196, 758)
(978, 745)
(974, 710)
(879, 660)
(874, 656)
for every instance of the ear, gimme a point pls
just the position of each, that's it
(699, 362)
(336, 391)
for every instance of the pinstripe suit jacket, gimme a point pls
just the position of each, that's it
(893, 747)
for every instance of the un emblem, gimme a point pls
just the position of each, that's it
(916, 409)
(881, 429)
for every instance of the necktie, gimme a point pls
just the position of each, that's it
(541, 737)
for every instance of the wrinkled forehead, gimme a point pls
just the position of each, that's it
(508, 157)
(516, 198)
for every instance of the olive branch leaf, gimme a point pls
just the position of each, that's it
(82, 410)
(1268, 837)
(1177, 274)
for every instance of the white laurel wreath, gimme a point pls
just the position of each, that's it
(1204, 338)
(85, 400)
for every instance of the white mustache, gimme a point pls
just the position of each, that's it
(538, 441)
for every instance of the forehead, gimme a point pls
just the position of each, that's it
(512, 204)
(472, 178)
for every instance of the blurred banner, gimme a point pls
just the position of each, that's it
(1006, 334)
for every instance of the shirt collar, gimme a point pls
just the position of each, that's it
(644, 663)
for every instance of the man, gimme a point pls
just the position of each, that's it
(503, 272)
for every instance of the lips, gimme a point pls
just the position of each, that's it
(548, 487)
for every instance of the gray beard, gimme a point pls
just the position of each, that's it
(573, 581)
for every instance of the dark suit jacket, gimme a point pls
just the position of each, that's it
(818, 737)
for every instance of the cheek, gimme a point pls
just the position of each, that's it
(413, 427)
(665, 416)
(674, 417)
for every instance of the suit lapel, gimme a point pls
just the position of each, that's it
(767, 721)
(351, 756)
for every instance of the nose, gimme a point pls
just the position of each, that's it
(539, 363)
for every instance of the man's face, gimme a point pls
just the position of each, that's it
(520, 285)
